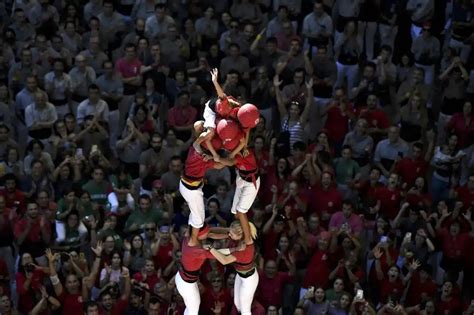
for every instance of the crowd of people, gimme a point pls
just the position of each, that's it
(124, 161)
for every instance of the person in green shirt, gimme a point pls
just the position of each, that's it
(74, 238)
(347, 172)
(98, 187)
(144, 214)
(67, 205)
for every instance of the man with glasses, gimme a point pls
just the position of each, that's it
(233, 35)
(142, 215)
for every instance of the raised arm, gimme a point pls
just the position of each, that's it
(308, 103)
(279, 97)
(53, 275)
(215, 81)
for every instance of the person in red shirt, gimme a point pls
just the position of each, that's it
(163, 252)
(33, 232)
(190, 186)
(71, 296)
(113, 305)
(246, 280)
(326, 199)
(295, 200)
(320, 264)
(339, 112)
(271, 284)
(422, 287)
(391, 284)
(148, 275)
(216, 296)
(390, 197)
(15, 198)
(181, 116)
(130, 68)
(247, 182)
(377, 120)
(448, 304)
(192, 259)
(462, 125)
(29, 279)
(414, 166)
(7, 222)
(466, 193)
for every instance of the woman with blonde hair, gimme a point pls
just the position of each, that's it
(246, 280)
(413, 119)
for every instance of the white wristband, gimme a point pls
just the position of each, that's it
(54, 279)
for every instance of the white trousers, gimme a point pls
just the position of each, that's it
(195, 200)
(244, 290)
(245, 194)
(190, 294)
(61, 231)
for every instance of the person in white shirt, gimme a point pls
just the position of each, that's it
(58, 85)
(40, 117)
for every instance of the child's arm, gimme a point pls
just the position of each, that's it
(211, 149)
(242, 145)
(215, 81)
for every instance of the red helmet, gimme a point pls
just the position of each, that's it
(234, 142)
(248, 116)
(227, 129)
(223, 107)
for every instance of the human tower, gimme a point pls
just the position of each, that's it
(220, 140)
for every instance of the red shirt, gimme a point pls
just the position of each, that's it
(244, 258)
(389, 201)
(376, 118)
(33, 242)
(181, 116)
(319, 268)
(164, 256)
(72, 303)
(210, 298)
(466, 196)
(270, 241)
(418, 290)
(337, 123)
(465, 132)
(451, 307)
(452, 246)
(151, 280)
(387, 288)
(6, 230)
(25, 297)
(16, 196)
(257, 309)
(263, 161)
(118, 308)
(246, 164)
(195, 167)
(192, 259)
(270, 290)
(128, 69)
(323, 200)
(410, 169)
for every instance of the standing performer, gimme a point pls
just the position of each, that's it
(190, 186)
(246, 280)
(193, 257)
(247, 182)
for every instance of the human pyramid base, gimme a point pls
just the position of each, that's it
(220, 141)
